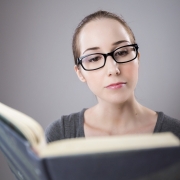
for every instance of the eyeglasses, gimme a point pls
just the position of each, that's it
(96, 61)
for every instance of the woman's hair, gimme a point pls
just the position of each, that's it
(95, 16)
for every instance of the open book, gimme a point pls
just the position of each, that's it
(22, 141)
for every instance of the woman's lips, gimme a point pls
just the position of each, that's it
(116, 85)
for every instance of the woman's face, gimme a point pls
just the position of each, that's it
(114, 83)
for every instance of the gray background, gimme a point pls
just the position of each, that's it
(36, 62)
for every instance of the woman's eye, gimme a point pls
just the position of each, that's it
(94, 59)
(121, 53)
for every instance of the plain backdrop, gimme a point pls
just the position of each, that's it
(36, 62)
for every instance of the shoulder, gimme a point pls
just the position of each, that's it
(68, 126)
(167, 124)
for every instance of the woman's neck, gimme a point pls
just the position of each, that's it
(110, 116)
(121, 113)
(127, 118)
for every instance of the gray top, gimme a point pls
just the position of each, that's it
(72, 126)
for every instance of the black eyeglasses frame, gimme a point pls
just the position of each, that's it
(79, 60)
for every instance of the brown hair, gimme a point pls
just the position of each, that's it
(97, 15)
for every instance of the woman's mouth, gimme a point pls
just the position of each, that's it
(115, 85)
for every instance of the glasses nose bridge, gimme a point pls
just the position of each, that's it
(109, 54)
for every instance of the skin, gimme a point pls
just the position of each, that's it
(117, 111)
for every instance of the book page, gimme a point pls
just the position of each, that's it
(109, 144)
(25, 124)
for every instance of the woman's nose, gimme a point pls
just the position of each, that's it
(112, 66)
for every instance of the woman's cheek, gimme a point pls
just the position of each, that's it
(94, 81)
(131, 72)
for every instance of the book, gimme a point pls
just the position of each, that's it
(147, 156)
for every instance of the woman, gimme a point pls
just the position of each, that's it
(107, 59)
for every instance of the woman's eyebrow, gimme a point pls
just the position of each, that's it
(115, 43)
(119, 42)
(93, 48)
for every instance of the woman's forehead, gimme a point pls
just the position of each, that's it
(101, 33)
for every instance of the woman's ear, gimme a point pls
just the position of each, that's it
(79, 73)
